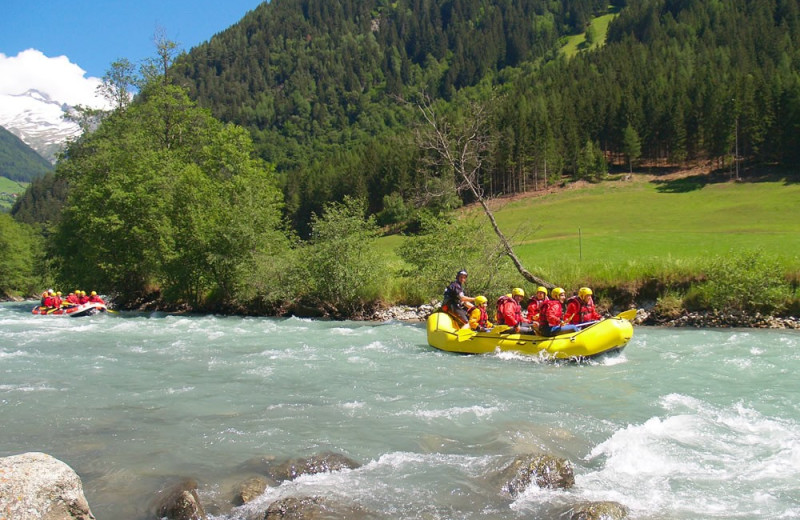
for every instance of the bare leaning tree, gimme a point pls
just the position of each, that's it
(461, 149)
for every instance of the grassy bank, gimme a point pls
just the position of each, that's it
(648, 229)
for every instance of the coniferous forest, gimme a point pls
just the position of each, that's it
(254, 170)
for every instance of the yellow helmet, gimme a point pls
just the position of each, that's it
(584, 292)
(94, 293)
(480, 300)
(58, 293)
(542, 290)
(556, 293)
(516, 291)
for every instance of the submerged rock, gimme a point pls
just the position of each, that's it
(36, 486)
(320, 463)
(180, 502)
(250, 489)
(546, 471)
(315, 508)
(599, 511)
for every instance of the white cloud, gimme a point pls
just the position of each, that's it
(57, 77)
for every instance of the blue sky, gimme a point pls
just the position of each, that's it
(75, 35)
(92, 34)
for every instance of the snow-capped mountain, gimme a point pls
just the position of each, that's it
(38, 121)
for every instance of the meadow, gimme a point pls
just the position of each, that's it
(620, 231)
(8, 190)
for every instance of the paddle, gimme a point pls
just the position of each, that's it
(587, 323)
(465, 334)
(629, 315)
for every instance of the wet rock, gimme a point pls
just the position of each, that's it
(320, 463)
(546, 471)
(180, 502)
(36, 486)
(599, 511)
(315, 508)
(405, 313)
(250, 489)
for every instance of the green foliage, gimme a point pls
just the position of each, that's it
(20, 258)
(631, 146)
(42, 201)
(745, 281)
(18, 161)
(669, 305)
(163, 196)
(591, 163)
(445, 246)
(344, 272)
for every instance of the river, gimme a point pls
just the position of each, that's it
(683, 424)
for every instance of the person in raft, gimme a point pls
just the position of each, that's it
(455, 301)
(94, 298)
(536, 303)
(551, 315)
(580, 308)
(509, 312)
(478, 317)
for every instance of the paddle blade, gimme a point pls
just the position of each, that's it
(464, 334)
(629, 315)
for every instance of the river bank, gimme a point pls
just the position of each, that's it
(710, 319)
(646, 314)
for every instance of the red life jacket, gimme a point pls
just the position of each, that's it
(580, 312)
(550, 314)
(501, 303)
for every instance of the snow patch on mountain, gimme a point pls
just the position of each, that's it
(38, 120)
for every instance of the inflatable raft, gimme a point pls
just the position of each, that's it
(602, 337)
(87, 309)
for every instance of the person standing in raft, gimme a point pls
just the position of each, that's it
(509, 311)
(455, 301)
(580, 308)
(551, 315)
(478, 317)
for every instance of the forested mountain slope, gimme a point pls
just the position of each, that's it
(18, 161)
(318, 83)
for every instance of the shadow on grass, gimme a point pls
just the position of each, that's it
(749, 174)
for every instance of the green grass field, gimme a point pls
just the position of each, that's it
(8, 189)
(577, 42)
(625, 230)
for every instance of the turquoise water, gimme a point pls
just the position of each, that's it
(683, 424)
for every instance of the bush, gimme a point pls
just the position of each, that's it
(445, 246)
(344, 272)
(744, 281)
(669, 306)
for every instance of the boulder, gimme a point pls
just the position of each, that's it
(314, 508)
(180, 502)
(320, 463)
(546, 471)
(250, 489)
(599, 511)
(35, 486)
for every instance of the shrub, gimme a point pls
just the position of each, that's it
(745, 281)
(669, 306)
(344, 272)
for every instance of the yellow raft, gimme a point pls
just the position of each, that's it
(608, 335)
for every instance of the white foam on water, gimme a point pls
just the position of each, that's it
(453, 412)
(702, 459)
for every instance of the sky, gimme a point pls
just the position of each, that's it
(64, 47)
